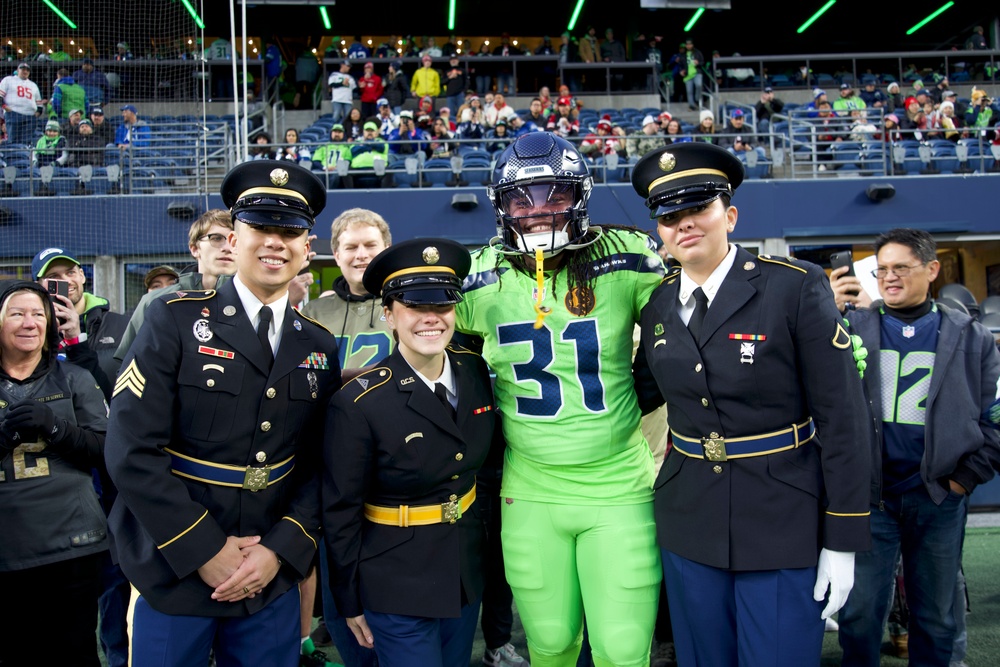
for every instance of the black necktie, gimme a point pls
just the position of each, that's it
(442, 394)
(698, 316)
(263, 326)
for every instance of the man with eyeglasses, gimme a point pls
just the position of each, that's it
(930, 376)
(208, 241)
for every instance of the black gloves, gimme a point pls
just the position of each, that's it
(29, 421)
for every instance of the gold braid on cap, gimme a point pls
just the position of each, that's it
(419, 269)
(281, 192)
(685, 174)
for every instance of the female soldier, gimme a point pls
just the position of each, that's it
(751, 357)
(404, 442)
(52, 423)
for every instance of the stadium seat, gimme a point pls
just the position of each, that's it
(960, 293)
(989, 306)
(946, 158)
(438, 172)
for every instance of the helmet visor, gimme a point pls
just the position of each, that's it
(543, 199)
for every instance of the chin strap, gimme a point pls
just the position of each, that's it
(540, 311)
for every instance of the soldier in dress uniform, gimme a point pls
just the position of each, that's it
(403, 443)
(763, 498)
(213, 445)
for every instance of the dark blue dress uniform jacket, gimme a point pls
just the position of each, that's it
(774, 511)
(222, 407)
(391, 442)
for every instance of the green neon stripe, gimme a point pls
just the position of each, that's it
(325, 17)
(694, 19)
(451, 14)
(576, 15)
(194, 14)
(60, 14)
(812, 19)
(929, 18)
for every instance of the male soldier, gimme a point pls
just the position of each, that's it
(215, 420)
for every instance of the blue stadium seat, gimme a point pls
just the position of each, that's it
(437, 171)
(945, 157)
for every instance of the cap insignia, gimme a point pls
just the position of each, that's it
(431, 255)
(279, 177)
(667, 162)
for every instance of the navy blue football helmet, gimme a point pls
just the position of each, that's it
(539, 191)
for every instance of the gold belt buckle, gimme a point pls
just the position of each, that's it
(451, 511)
(255, 479)
(715, 447)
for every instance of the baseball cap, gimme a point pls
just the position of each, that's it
(86, 121)
(24, 66)
(665, 117)
(406, 114)
(949, 93)
(129, 107)
(87, 61)
(737, 113)
(647, 120)
(817, 92)
(76, 111)
(337, 126)
(382, 102)
(768, 89)
(371, 126)
(97, 111)
(565, 101)
(161, 270)
(40, 264)
(369, 65)
(845, 86)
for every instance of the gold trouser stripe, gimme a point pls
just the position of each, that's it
(685, 174)
(421, 515)
(183, 532)
(304, 531)
(855, 514)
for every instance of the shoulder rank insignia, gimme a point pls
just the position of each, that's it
(369, 380)
(841, 339)
(132, 379)
(192, 295)
(781, 261)
(672, 275)
(458, 349)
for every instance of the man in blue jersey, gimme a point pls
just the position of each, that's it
(931, 377)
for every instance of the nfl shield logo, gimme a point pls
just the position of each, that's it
(908, 331)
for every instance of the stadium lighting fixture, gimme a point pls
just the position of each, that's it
(451, 14)
(694, 19)
(59, 13)
(326, 17)
(576, 14)
(930, 18)
(194, 14)
(812, 19)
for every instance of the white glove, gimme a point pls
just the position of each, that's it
(836, 572)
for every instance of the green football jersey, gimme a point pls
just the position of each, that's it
(564, 390)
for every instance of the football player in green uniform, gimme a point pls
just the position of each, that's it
(555, 300)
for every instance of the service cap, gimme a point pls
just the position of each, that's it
(273, 193)
(426, 271)
(682, 176)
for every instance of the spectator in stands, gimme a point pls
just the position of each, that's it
(293, 150)
(104, 328)
(357, 49)
(738, 138)
(676, 69)
(804, 77)
(589, 48)
(505, 70)
(72, 122)
(133, 132)
(871, 96)
(482, 71)
(67, 95)
(519, 126)
(693, 74)
(960, 108)
(387, 120)
(439, 142)
(601, 142)
(894, 102)
(159, 277)
(426, 106)
(326, 156)
(424, 123)
(122, 51)
(445, 114)
(353, 124)
(55, 534)
(647, 49)
(397, 88)
(102, 130)
(426, 81)
(430, 48)
(456, 83)
(675, 133)
(400, 139)
(262, 148)
(977, 40)
(469, 130)
(341, 86)
(646, 139)
(307, 71)
(86, 147)
(766, 108)
(890, 133)
(569, 52)
(937, 92)
(914, 122)
(363, 153)
(925, 99)
(51, 147)
(562, 122)
(706, 130)
(535, 113)
(371, 87)
(497, 138)
(94, 83)
(847, 101)
(548, 104)
(861, 128)
(979, 117)
(830, 130)
(499, 109)
(613, 51)
(931, 460)
(451, 47)
(22, 102)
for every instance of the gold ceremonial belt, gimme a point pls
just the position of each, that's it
(240, 477)
(422, 515)
(716, 448)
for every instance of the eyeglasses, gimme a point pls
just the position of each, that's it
(216, 240)
(900, 271)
